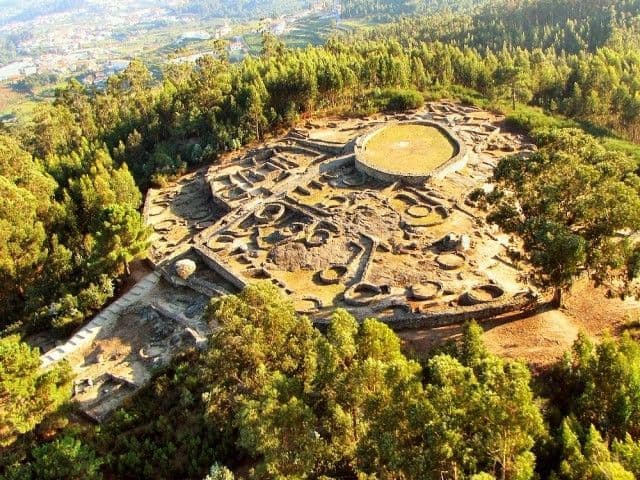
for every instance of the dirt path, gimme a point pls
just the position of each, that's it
(538, 340)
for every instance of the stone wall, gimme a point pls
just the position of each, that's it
(104, 320)
(386, 175)
(218, 201)
(322, 147)
(336, 163)
(148, 202)
(218, 266)
(457, 315)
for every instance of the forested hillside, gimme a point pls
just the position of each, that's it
(350, 404)
(387, 9)
(274, 398)
(571, 26)
(88, 147)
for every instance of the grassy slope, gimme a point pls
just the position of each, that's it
(529, 118)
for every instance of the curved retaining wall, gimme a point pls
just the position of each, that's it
(455, 163)
(455, 315)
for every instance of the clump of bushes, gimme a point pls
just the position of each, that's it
(398, 100)
(527, 119)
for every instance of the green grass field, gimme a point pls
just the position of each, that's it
(21, 105)
(413, 149)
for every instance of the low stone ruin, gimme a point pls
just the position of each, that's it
(307, 214)
(302, 213)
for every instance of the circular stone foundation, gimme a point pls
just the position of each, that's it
(220, 242)
(412, 151)
(269, 213)
(450, 261)
(332, 275)
(307, 305)
(318, 238)
(426, 291)
(424, 216)
(419, 211)
(362, 294)
(297, 227)
(482, 294)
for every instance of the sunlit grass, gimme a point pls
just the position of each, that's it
(414, 149)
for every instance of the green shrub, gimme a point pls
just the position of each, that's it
(401, 99)
(530, 118)
(66, 458)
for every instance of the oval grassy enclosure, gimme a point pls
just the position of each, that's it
(413, 149)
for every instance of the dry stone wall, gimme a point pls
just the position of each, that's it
(457, 162)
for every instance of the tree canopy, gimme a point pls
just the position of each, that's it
(282, 400)
(272, 392)
(575, 204)
(27, 394)
(349, 402)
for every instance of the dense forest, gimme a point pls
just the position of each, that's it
(389, 9)
(350, 404)
(572, 26)
(275, 398)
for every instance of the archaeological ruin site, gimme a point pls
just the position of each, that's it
(371, 214)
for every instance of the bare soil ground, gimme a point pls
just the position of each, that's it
(541, 339)
(139, 270)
